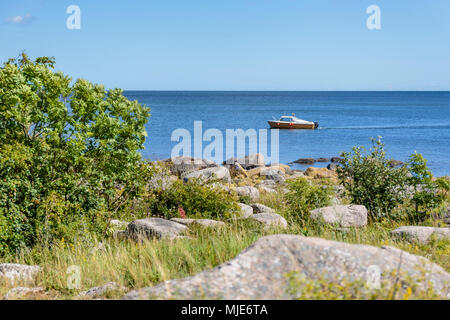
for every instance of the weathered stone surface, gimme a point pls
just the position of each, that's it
(247, 191)
(119, 235)
(20, 272)
(208, 174)
(267, 183)
(283, 167)
(320, 173)
(323, 160)
(246, 210)
(260, 208)
(270, 219)
(118, 223)
(296, 175)
(208, 223)
(273, 174)
(248, 162)
(267, 189)
(421, 234)
(305, 161)
(332, 166)
(154, 228)
(342, 215)
(236, 169)
(180, 165)
(259, 272)
(23, 293)
(98, 292)
(336, 159)
(161, 180)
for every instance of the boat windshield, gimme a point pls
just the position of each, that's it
(287, 119)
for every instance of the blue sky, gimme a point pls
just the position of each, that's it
(237, 44)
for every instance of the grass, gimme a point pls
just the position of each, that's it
(134, 265)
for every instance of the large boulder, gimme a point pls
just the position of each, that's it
(207, 223)
(180, 165)
(342, 215)
(260, 208)
(208, 174)
(21, 293)
(247, 191)
(419, 234)
(154, 228)
(260, 271)
(269, 219)
(20, 272)
(248, 162)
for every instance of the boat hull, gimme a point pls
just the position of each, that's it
(286, 125)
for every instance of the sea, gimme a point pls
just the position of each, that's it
(408, 122)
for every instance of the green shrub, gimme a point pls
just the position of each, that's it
(64, 149)
(196, 199)
(370, 180)
(303, 196)
(428, 194)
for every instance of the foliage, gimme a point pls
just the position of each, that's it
(370, 180)
(303, 196)
(63, 150)
(427, 193)
(196, 199)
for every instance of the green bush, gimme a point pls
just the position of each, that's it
(303, 196)
(64, 149)
(197, 201)
(428, 193)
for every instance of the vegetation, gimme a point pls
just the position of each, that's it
(64, 148)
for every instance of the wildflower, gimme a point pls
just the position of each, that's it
(182, 213)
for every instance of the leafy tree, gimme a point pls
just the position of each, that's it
(65, 148)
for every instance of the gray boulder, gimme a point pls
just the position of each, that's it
(246, 211)
(208, 174)
(305, 161)
(274, 175)
(332, 166)
(260, 208)
(342, 215)
(249, 162)
(419, 234)
(98, 292)
(260, 271)
(23, 293)
(180, 165)
(154, 228)
(207, 223)
(20, 272)
(270, 220)
(247, 191)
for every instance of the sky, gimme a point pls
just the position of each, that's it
(237, 44)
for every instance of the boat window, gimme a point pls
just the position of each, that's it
(286, 119)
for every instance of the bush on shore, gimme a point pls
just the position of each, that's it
(64, 149)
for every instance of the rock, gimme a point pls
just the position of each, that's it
(98, 292)
(161, 180)
(154, 228)
(260, 271)
(208, 174)
(246, 210)
(342, 215)
(119, 235)
(268, 184)
(320, 173)
(270, 219)
(201, 222)
(422, 235)
(305, 161)
(255, 171)
(248, 162)
(332, 166)
(275, 175)
(267, 189)
(118, 223)
(23, 293)
(296, 175)
(283, 167)
(322, 160)
(247, 191)
(181, 165)
(260, 208)
(336, 159)
(20, 272)
(395, 163)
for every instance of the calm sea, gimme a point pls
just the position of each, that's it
(407, 121)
